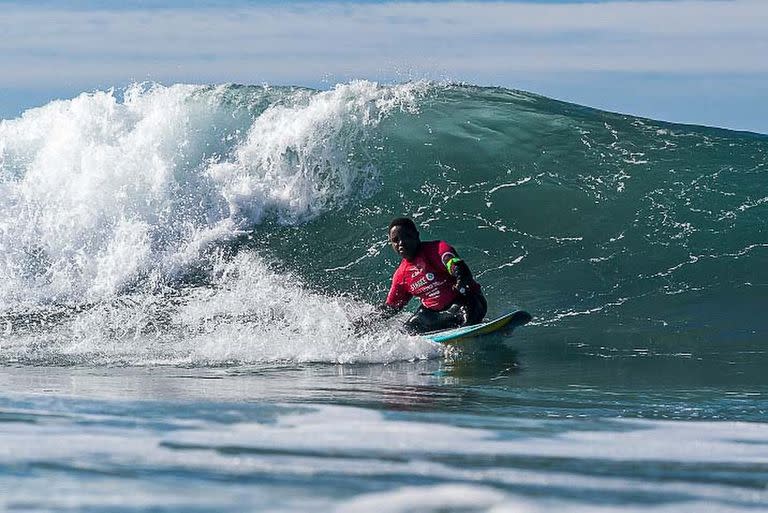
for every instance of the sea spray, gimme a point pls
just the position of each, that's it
(102, 195)
(248, 313)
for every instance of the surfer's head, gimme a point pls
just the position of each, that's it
(404, 237)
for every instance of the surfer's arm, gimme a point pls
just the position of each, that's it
(460, 271)
(457, 268)
(395, 302)
(397, 298)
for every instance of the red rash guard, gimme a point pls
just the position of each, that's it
(426, 277)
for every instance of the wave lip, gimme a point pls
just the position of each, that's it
(101, 192)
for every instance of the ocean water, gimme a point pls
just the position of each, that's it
(182, 266)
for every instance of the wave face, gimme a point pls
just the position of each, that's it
(205, 225)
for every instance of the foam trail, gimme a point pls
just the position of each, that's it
(249, 314)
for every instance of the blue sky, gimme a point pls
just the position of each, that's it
(694, 61)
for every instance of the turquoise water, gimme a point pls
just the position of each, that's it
(182, 266)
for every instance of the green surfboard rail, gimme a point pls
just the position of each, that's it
(508, 320)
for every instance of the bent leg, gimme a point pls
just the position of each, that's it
(426, 320)
(475, 307)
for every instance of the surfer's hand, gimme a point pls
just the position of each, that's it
(385, 311)
(369, 321)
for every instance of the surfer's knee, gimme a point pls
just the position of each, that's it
(476, 308)
(416, 324)
(426, 320)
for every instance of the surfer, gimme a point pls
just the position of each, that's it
(433, 272)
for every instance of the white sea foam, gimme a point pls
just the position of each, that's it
(333, 427)
(309, 440)
(249, 315)
(107, 201)
(98, 192)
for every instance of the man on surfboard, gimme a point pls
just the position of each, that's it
(433, 272)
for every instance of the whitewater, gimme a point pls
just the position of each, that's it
(183, 266)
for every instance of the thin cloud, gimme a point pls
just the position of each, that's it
(300, 42)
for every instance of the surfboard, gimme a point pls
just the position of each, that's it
(507, 321)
